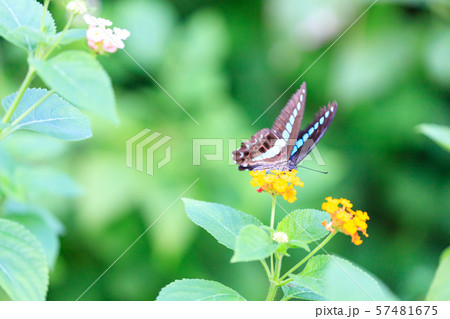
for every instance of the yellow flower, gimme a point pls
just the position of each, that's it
(344, 219)
(277, 183)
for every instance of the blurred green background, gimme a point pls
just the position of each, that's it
(225, 62)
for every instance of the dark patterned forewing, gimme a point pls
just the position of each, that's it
(262, 149)
(287, 124)
(310, 136)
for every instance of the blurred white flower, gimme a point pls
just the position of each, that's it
(103, 39)
(77, 7)
(97, 22)
(123, 34)
(280, 237)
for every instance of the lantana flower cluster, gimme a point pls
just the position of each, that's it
(277, 183)
(103, 39)
(344, 219)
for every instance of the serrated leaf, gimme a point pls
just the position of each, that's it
(23, 265)
(334, 278)
(304, 226)
(440, 287)
(253, 243)
(20, 22)
(295, 290)
(440, 134)
(222, 222)
(78, 77)
(54, 116)
(198, 290)
(41, 223)
(42, 231)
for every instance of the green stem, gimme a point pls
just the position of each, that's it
(266, 268)
(312, 253)
(56, 43)
(275, 278)
(26, 82)
(46, 3)
(272, 215)
(272, 223)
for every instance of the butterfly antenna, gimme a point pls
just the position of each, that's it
(312, 169)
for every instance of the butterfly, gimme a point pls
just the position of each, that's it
(284, 146)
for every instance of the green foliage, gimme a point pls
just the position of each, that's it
(71, 35)
(303, 226)
(327, 277)
(29, 233)
(222, 222)
(198, 290)
(440, 287)
(78, 77)
(24, 270)
(253, 243)
(389, 72)
(438, 133)
(20, 22)
(54, 116)
(44, 226)
(294, 290)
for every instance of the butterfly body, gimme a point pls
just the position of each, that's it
(284, 146)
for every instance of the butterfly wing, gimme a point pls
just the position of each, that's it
(310, 136)
(263, 149)
(287, 124)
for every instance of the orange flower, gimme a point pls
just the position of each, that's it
(344, 219)
(277, 183)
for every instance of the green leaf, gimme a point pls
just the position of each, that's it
(198, 290)
(438, 133)
(20, 22)
(333, 278)
(47, 181)
(78, 77)
(70, 36)
(42, 231)
(295, 290)
(440, 287)
(54, 116)
(23, 265)
(253, 243)
(40, 223)
(15, 207)
(304, 226)
(222, 222)
(34, 147)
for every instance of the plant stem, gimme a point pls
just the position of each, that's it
(46, 3)
(272, 215)
(26, 82)
(272, 223)
(61, 36)
(312, 253)
(275, 278)
(266, 268)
